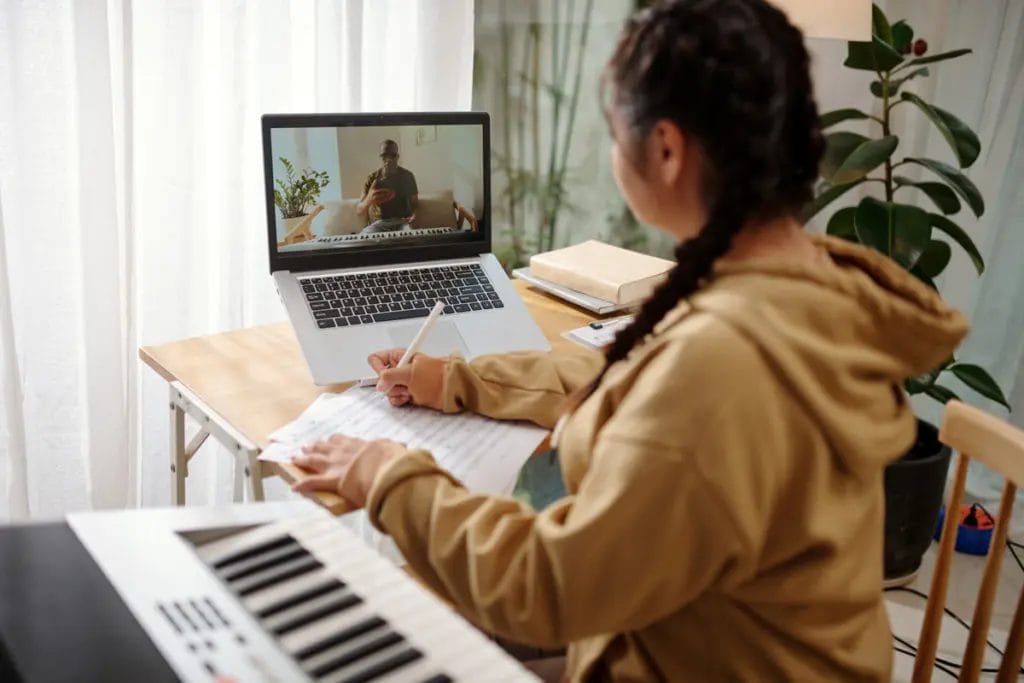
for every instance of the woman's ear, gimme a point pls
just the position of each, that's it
(666, 152)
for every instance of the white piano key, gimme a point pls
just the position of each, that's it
(282, 592)
(314, 662)
(354, 670)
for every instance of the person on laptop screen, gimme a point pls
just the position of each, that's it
(389, 194)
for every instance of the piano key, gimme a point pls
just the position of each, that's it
(315, 653)
(241, 547)
(274, 575)
(318, 631)
(313, 610)
(266, 600)
(351, 652)
(322, 587)
(391, 659)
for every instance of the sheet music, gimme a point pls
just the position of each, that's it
(484, 454)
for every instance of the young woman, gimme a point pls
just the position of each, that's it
(724, 459)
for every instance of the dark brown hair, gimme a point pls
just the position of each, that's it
(734, 76)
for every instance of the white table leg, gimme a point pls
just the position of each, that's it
(178, 458)
(254, 471)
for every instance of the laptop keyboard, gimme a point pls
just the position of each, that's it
(361, 298)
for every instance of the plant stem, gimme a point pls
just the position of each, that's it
(888, 162)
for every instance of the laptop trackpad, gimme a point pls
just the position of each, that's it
(442, 340)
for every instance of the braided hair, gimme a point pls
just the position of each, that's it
(733, 75)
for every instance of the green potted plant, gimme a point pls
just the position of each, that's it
(293, 196)
(917, 238)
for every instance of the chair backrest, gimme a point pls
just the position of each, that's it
(1000, 446)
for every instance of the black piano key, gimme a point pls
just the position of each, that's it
(240, 570)
(342, 603)
(386, 639)
(258, 549)
(276, 575)
(340, 637)
(308, 594)
(386, 665)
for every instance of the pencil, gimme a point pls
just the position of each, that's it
(417, 341)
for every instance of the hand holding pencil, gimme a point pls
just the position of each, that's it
(407, 376)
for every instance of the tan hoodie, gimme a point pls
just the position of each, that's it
(725, 509)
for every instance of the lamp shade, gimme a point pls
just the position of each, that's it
(845, 19)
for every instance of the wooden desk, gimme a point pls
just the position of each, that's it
(240, 386)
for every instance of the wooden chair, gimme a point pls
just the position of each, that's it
(1000, 446)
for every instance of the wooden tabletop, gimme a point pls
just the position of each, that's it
(257, 380)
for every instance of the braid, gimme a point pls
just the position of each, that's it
(734, 76)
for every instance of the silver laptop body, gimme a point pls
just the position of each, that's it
(386, 214)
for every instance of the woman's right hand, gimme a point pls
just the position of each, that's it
(420, 382)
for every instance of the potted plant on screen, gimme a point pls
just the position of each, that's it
(293, 196)
(917, 223)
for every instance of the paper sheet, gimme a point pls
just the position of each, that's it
(484, 454)
(598, 338)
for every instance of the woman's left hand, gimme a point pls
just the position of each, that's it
(345, 466)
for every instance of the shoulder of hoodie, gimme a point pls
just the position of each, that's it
(697, 369)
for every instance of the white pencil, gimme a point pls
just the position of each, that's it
(417, 341)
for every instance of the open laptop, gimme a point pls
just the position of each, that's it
(373, 218)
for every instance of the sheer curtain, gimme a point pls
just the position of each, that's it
(131, 205)
(986, 91)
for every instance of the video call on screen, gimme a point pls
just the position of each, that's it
(376, 186)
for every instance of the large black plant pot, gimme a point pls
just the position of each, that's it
(914, 485)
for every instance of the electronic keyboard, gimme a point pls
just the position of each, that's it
(271, 592)
(358, 237)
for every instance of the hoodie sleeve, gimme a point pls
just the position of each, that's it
(519, 386)
(645, 534)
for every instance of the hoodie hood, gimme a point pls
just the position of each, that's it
(842, 337)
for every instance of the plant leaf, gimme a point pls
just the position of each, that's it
(831, 118)
(962, 139)
(961, 237)
(871, 56)
(940, 194)
(841, 224)
(839, 146)
(872, 224)
(957, 180)
(938, 57)
(902, 35)
(900, 231)
(934, 259)
(880, 25)
(977, 378)
(829, 195)
(866, 157)
(941, 393)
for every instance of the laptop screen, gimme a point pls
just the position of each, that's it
(362, 187)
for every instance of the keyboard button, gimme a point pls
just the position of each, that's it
(407, 306)
(475, 289)
(366, 318)
(322, 315)
(475, 306)
(493, 296)
(353, 320)
(361, 301)
(486, 304)
(315, 296)
(373, 300)
(461, 308)
(319, 306)
(340, 322)
(466, 298)
(307, 288)
(359, 310)
(448, 309)
(497, 303)
(400, 315)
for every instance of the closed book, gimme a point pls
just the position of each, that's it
(611, 273)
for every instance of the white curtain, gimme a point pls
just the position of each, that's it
(986, 90)
(131, 205)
